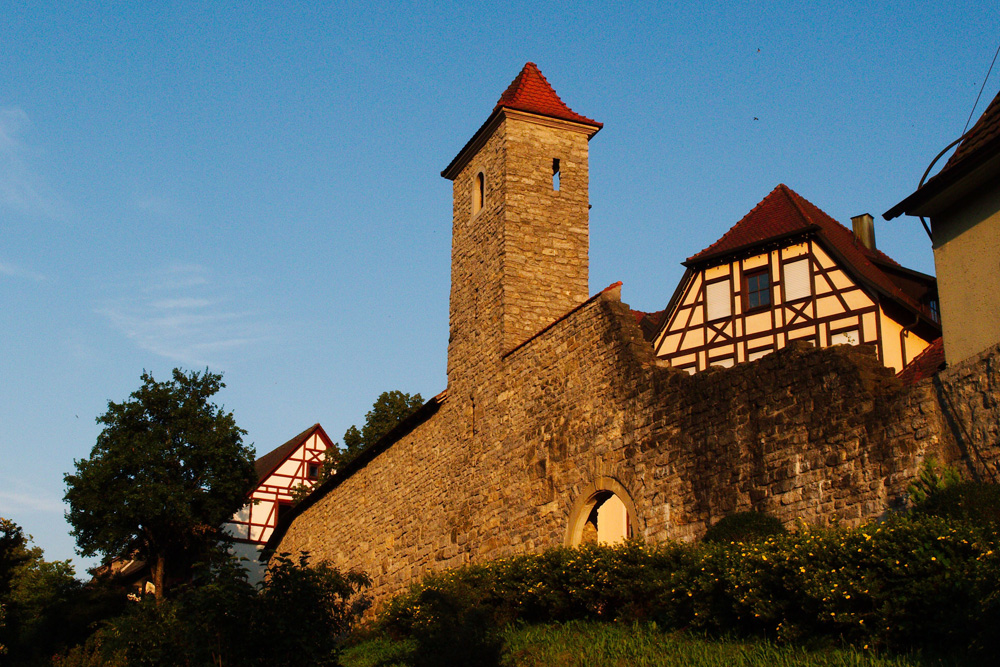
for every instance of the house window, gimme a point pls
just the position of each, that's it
(718, 301)
(797, 280)
(932, 305)
(757, 288)
(846, 337)
(283, 509)
(478, 193)
(555, 174)
(313, 470)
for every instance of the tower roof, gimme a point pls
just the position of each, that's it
(530, 91)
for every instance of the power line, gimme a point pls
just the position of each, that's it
(981, 90)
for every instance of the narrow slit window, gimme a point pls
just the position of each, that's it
(555, 174)
(478, 193)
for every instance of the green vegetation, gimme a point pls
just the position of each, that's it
(744, 527)
(905, 584)
(295, 619)
(43, 607)
(167, 471)
(594, 644)
(932, 480)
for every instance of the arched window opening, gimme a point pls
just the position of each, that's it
(478, 193)
(604, 514)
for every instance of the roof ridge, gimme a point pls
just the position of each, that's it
(530, 91)
(794, 197)
(741, 221)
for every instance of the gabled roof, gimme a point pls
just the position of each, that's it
(530, 91)
(784, 214)
(979, 146)
(268, 463)
(925, 364)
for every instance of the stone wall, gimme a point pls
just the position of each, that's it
(969, 397)
(814, 434)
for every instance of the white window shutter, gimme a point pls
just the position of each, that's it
(719, 300)
(797, 284)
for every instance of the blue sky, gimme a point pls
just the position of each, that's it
(255, 187)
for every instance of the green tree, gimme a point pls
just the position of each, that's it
(168, 470)
(390, 408)
(13, 554)
(45, 606)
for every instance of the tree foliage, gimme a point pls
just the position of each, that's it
(168, 470)
(45, 608)
(388, 410)
(296, 618)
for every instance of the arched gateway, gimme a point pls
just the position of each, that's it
(603, 513)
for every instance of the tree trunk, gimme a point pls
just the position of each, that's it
(158, 567)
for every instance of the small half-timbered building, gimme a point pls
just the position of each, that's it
(789, 272)
(279, 472)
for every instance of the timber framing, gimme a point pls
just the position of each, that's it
(831, 299)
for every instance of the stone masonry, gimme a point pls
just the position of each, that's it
(553, 398)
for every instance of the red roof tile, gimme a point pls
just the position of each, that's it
(986, 129)
(784, 213)
(530, 91)
(925, 364)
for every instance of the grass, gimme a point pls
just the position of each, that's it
(590, 644)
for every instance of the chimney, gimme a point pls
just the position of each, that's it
(864, 230)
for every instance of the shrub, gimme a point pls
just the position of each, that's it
(744, 527)
(974, 502)
(296, 618)
(907, 583)
(930, 481)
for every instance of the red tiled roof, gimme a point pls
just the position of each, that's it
(925, 364)
(530, 91)
(784, 213)
(986, 129)
(267, 464)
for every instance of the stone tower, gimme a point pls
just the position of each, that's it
(520, 236)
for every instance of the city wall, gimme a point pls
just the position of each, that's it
(819, 435)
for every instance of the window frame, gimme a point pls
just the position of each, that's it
(747, 276)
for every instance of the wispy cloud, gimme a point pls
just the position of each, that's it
(15, 497)
(15, 271)
(21, 188)
(182, 315)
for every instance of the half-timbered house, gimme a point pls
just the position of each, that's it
(279, 472)
(789, 272)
